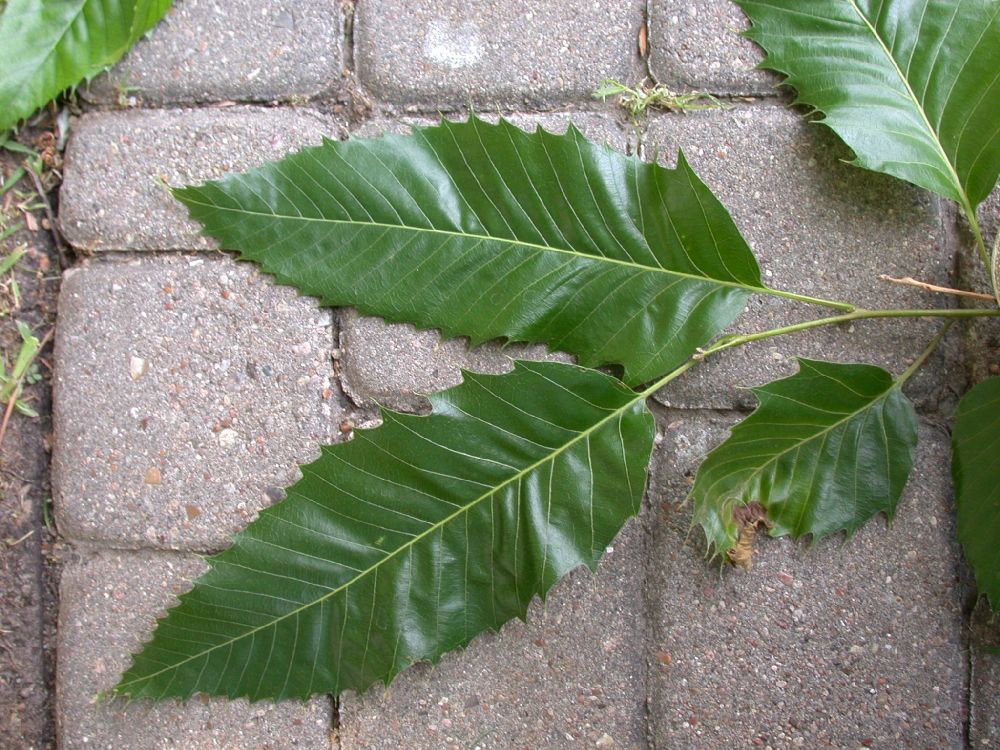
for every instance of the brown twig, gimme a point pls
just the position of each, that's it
(53, 227)
(908, 281)
(17, 389)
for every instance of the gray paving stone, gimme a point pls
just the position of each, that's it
(118, 165)
(984, 701)
(572, 677)
(108, 604)
(845, 645)
(240, 50)
(397, 365)
(187, 390)
(394, 364)
(451, 54)
(818, 227)
(696, 45)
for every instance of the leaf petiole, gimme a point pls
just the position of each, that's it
(729, 342)
(928, 350)
(846, 306)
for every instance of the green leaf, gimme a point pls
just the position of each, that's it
(910, 85)
(487, 231)
(975, 467)
(828, 448)
(409, 540)
(46, 46)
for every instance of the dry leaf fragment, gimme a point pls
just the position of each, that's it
(747, 517)
(643, 41)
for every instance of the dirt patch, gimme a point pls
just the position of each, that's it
(29, 547)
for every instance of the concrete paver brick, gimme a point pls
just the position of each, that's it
(238, 50)
(187, 390)
(844, 645)
(118, 165)
(696, 45)
(572, 677)
(818, 227)
(488, 53)
(108, 604)
(396, 364)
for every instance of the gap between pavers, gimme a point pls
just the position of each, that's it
(818, 227)
(108, 603)
(839, 644)
(695, 45)
(453, 54)
(239, 50)
(187, 390)
(119, 165)
(984, 700)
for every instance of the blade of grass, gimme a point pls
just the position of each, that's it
(16, 175)
(11, 259)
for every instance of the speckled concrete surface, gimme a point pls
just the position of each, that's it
(453, 54)
(240, 50)
(119, 166)
(695, 45)
(187, 391)
(572, 677)
(843, 645)
(818, 227)
(397, 365)
(109, 602)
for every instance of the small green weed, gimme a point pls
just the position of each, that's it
(638, 100)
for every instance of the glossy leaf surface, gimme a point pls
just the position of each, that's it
(976, 470)
(910, 85)
(828, 448)
(490, 232)
(410, 539)
(47, 47)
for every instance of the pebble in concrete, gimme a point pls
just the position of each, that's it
(240, 50)
(451, 54)
(108, 604)
(396, 364)
(187, 391)
(119, 164)
(845, 645)
(573, 677)
(818, 227)
(695, 45)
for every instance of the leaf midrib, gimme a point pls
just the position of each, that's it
(120, 688)
(916, 103)
(826, 430)
(487, 238)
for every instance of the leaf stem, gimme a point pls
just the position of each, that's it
(977, 233)
(846, 306)
(731, 341)
(919, 361)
